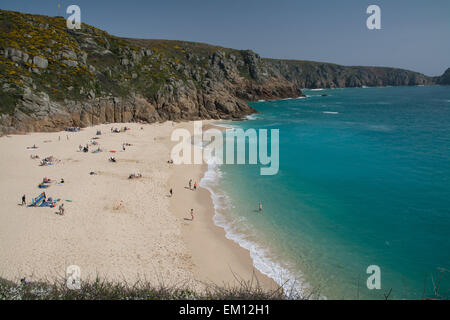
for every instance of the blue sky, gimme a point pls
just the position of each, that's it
(415, 33)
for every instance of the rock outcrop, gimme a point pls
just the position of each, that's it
(445, 78)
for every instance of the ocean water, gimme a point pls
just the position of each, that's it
(364, 180)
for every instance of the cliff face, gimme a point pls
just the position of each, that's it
(52, 77)
(445, 78)
(308, 74)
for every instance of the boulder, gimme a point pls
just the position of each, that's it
(11, 52)
(40, 62)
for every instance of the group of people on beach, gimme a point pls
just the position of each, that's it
(190, 185)
(191, 212)
(115, 130)
(51, 160)
(190, 188)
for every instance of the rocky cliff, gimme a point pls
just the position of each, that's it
(53, 77)
(445, 78)
(308, 74)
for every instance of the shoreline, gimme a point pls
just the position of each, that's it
(262, 258)
(206, 239)
(115, 228)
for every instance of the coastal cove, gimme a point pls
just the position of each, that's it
(212, 159)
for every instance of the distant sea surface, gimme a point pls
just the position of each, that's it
(364, 180)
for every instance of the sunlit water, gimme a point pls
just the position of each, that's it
(364, 180)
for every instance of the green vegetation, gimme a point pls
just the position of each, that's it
(107, 290)
(90, 60)
(8, 102)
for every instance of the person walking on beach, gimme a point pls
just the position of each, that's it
(61, 209)
(192, 214)
(190, 184)
(195, 186)
(260, 206)
(24, 200)
(171, 192)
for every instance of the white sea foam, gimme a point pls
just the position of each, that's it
(330, 112)
(318, 89)
(224, 125)
(251, 117)
(380, 128)
(261, 257)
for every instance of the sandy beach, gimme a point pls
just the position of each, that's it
(114, 227)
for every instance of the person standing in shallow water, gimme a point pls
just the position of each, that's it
(260, 207)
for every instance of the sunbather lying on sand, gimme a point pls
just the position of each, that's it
(49, 161)
(46, 180)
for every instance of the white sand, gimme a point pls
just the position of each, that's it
(144, 238)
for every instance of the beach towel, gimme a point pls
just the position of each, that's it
(50, 203)
(46, 204)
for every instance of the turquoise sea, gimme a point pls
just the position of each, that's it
(364, 180)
